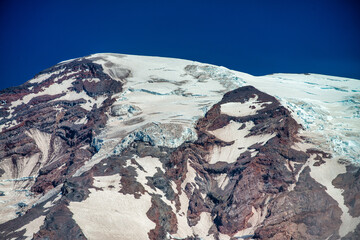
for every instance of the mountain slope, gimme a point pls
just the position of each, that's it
(130, 147)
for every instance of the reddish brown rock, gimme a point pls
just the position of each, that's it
(70, 127)
(162, 215)
(305, 213)
(256, 180)
(59, 225)
(350, 182)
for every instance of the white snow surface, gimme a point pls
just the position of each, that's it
(122, 216)
(248, 108)
(233, 132)
(177, 91)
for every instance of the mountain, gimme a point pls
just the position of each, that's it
(114, 146)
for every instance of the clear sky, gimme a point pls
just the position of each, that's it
(254, 36)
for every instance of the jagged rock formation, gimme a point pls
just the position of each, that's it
(126, 147)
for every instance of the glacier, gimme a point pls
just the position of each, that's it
(326, 106)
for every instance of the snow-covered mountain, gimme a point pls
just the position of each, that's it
(114, 146)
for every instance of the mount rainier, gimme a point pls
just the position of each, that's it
(112, 146)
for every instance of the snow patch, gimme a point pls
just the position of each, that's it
(325, 174)
(121, 216)
(222, 180)
(235, 131)
(237, 109)
(150, 166)
(32, 227)
(184, 230)
(255, 220)
(203, 226)
(42, 77)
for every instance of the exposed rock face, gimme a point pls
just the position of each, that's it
(307, 212)
(350, 181)
(94, 148)
(258, 184)
(51, 137)
(59, 224)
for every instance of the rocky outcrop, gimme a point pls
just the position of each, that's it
(350, 182)
(259, 182)
(45, 135)
(307, 212)
(59, 224)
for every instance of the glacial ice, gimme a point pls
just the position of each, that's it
(125, 110)
(326, 106)
(97, 143)
(159, 134)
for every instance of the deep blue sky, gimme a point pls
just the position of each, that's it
(253, 36)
